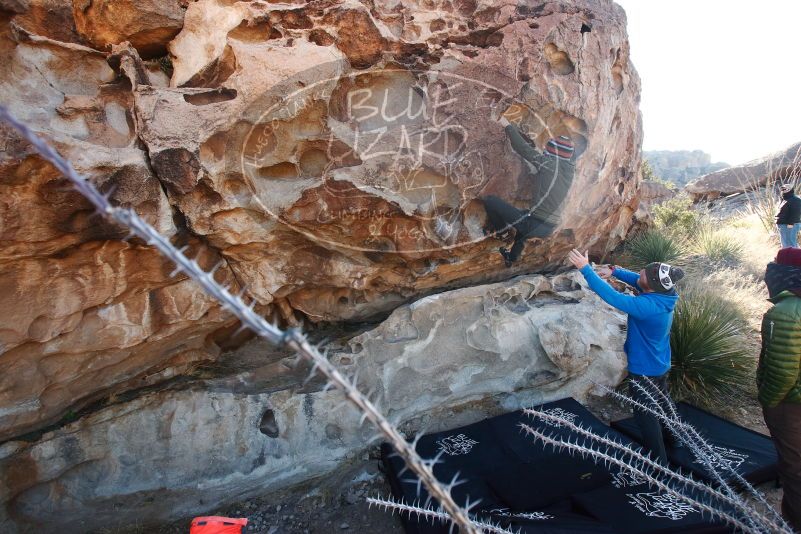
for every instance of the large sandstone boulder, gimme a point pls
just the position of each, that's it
(289, 144)
(185, 450)
(149, 25)
(785, 164)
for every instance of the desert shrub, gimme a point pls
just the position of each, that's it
(648, 174)
(165, 64)
(716, 244)
(712, 365)
(653, 245)
(676, 216)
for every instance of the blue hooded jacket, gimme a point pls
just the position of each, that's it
(650, 317)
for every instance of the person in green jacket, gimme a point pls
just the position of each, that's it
(779, 374)
(551, 172)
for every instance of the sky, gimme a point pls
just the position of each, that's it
(720, 76)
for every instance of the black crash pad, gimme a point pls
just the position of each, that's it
(641, 509)
(510, 472)
(559, 518)
(526, 486)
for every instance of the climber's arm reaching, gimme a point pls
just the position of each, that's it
(629, 277)
(523, 148)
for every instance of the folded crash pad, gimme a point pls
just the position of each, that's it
(750, 453)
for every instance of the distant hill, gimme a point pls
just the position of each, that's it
(681, 166)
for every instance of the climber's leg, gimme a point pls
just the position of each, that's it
(501, 215)
(537, 228)
(527, 229)
(650, 427)
(517, 247)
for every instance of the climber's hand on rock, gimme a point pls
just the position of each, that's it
(578, 259)
(514, 114)
(604, 271)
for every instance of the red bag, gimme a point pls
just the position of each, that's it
(217, 525)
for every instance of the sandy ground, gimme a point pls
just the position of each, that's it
(334, 504)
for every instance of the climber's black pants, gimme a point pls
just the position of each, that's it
(502, 215)
(654, 432)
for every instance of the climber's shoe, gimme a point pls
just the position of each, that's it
(507, 235)
(507, 259)
(504, 235)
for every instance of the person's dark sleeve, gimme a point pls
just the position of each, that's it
(634, 306)
(629, 277)
(784, 211)
(794, 214)
(522, 147)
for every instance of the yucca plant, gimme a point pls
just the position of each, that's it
(717, 245)
(654, 245)
(711, 364)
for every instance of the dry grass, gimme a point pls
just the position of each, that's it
(760, 245)
(730, 255)
(738, 278)
(739, 282)
(737, 287)
(719, 245)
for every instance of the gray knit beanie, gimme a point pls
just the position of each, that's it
(662, 277)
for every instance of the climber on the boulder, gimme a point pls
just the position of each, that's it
(551, 173)
(650, 315)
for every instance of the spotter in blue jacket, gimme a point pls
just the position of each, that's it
(650, 316)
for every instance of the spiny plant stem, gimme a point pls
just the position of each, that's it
(690, 436)
(430, 513)
(293, 338)
(610, 458)
(633, 457)
(656, 409)
(704, 451)
(675, 426)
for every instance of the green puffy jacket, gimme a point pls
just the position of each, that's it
(780, 358)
